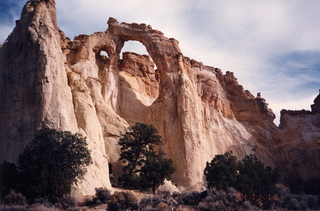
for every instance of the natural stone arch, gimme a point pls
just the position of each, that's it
(164, 51)
(139, 84)
(134, 46)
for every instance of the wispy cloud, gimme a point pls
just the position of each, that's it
(271, 46)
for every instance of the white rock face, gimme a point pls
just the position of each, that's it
(47, 80)
(39, 91)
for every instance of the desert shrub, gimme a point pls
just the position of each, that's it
(165, 195)
(90, 201)
(33, 207)
(14, 198)
(162, 206)
(290, 202)
(176, 194)
(312, 186)
(123, 201)
(212, 206)
(281, 189)
(9, 178)
(149, 201)
(190, 198)
(312, 201)
(150, 209)
(13, 208)
(295, 184)
(225, 200)
(43, 207)
(247, 206)
(67, 201)
(162, 201)
(103, 195)
(284, 199)
(43, 201)
(231, 199)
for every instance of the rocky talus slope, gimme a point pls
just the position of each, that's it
(47, 80)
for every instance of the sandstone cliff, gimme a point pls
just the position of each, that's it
(48, 80)
(299, 150)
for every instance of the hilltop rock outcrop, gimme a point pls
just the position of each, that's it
(48, 80)
(299, 151)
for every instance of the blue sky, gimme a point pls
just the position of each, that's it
(273, 46)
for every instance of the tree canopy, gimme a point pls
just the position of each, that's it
(249, 175)
(52, 162)
(143, 168)
(221, 172)
(254, 177)
(9, 178)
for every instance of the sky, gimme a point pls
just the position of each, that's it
(273, 46)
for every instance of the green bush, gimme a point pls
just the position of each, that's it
(155, 170)
(51, 163)
(102, 195)
(221, 172)
(254, 178)
(143, 168)
(249, 176)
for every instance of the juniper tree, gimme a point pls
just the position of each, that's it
(52, 162)
(143, 168)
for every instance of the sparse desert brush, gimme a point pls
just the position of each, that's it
(163, 206)
(102, 195)
(14, 198)
(164, 194)
(190, 198)
(67, 201)
(34, 207)
(175, 194)
(13, 208)
(150, 201)
(123, 201)
(299, 202)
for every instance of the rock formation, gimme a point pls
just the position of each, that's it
(48, 80)
(299, 151)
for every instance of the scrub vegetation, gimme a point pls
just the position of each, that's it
(55, 160)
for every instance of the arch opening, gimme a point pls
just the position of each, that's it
(103, 55)
(134, 46)
(139, 73)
